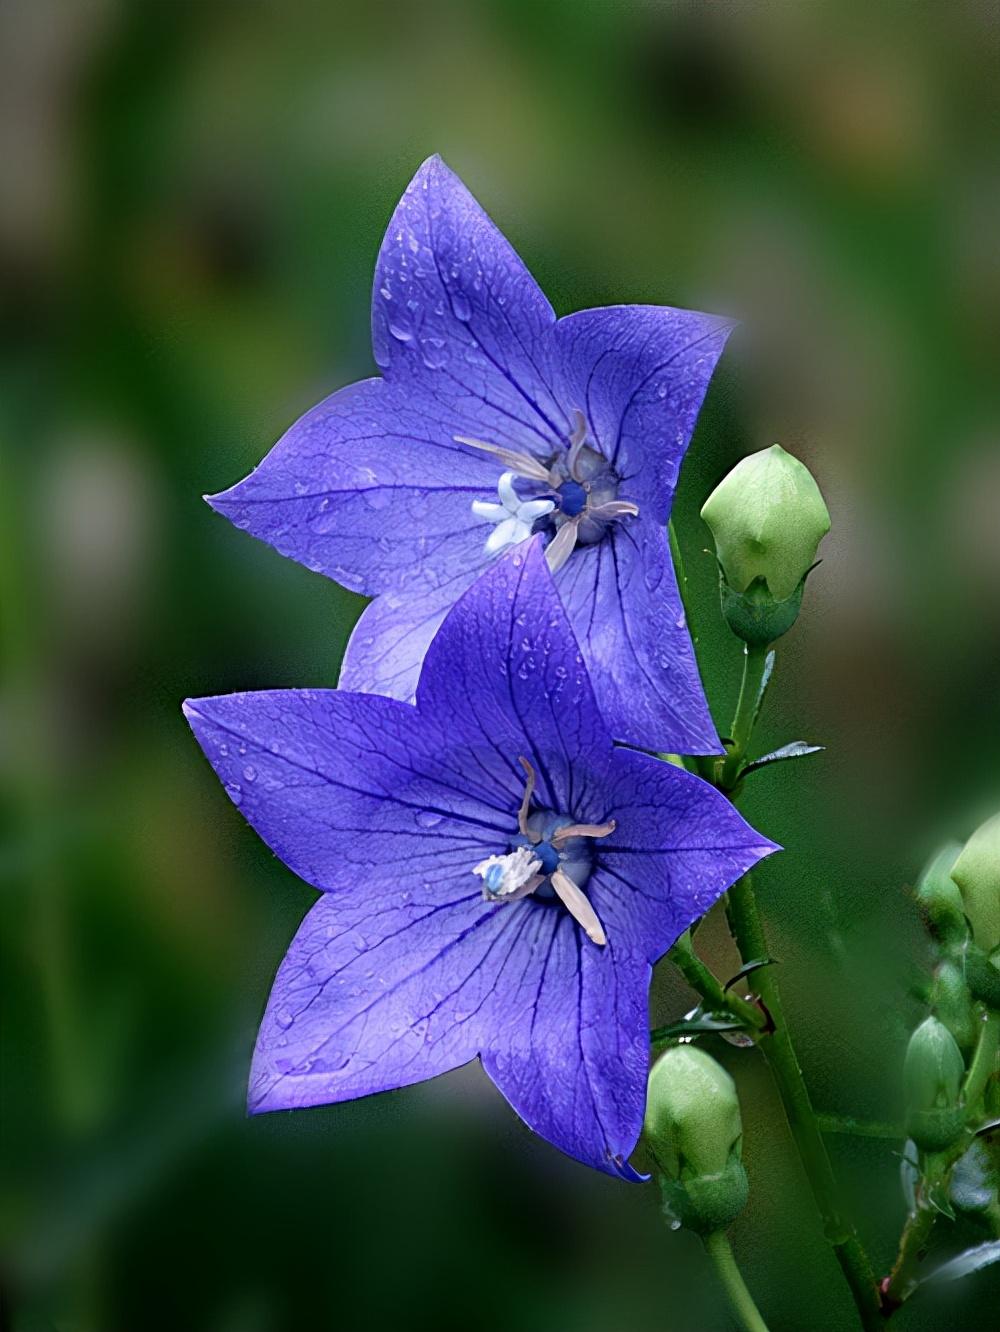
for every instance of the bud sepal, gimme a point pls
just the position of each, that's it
(694, 1133)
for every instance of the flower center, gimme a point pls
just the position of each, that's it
(550, 857)
(573, 494)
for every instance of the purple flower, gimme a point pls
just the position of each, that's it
(497, 877)
(494, 419)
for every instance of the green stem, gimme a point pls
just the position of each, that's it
(740, 1300)
(937, 1170)
(984, 1061)
(682, 580)
(776, 1044)
(706, 983)
(754, 661)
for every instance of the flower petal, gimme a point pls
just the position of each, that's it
(378, 991)
(386, 650)
(505, 672)
(455, 309)
(573, 1057)
(366, 488)
(622, 599)
(677, 846)
(345, 790)
(639, 373)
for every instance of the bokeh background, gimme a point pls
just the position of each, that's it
(193, 197)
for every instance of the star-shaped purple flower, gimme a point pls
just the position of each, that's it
(494, 419)
(497, 877)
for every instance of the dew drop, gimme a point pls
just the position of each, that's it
(400, 334)
(249, 773)
(234, 793)
(284, 1018)
(460, 305)
(427, 818)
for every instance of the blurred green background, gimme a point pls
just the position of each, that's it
(193, 197)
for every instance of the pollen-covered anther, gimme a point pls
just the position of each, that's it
(511, 876)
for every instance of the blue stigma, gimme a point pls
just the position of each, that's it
(493, 878)
(548, 855)
(572, 498)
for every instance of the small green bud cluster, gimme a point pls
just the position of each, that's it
(694, 1133)
(959, 895)
(767, 517)
(977, 874)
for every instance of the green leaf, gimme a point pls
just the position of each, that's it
(765, 680)
(698, 1021)
(747, 968)
(796, 749)
(972, 1260)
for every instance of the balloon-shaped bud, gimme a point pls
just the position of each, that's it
(939, 898)
(694, 1133)
(977, 873)
(952, 1003)
(932, 1074)
(767, 517)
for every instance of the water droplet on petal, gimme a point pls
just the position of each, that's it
(460, 305)
(284, 1018)
(400, 334)
(427, 818)
(249, 773)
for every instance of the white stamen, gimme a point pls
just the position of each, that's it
(513, 516)
(578, 905)
(562, 545)
(502, 876)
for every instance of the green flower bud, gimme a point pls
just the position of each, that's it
(977, 873)
(694, 1133)
(982, 972)
(932, 1074)
(952, 1004)
(767, 517)
(939, 898)
(975, 1180)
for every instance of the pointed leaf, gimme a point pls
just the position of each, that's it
(748, 968)
(796, 749)
(972, 1260)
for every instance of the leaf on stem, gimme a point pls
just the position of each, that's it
(972, 1260)
(747, 968)
(765, 680)
(796, 749)
(699, 1021)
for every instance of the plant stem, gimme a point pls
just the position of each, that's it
(704, 982)
(682, 581)
(776, 1044)
(740, 1300)
(754, 659)
(984, 1060)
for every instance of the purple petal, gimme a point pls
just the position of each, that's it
(344, 788)
(386, 650)
(626, 611)
(639, 373)
(378, 990)
(369, 489)
(505, 673)
(455, 310)
(678, 845)
(573, 1057)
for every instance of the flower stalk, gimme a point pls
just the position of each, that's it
(741, 1302)
(775, 1043)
